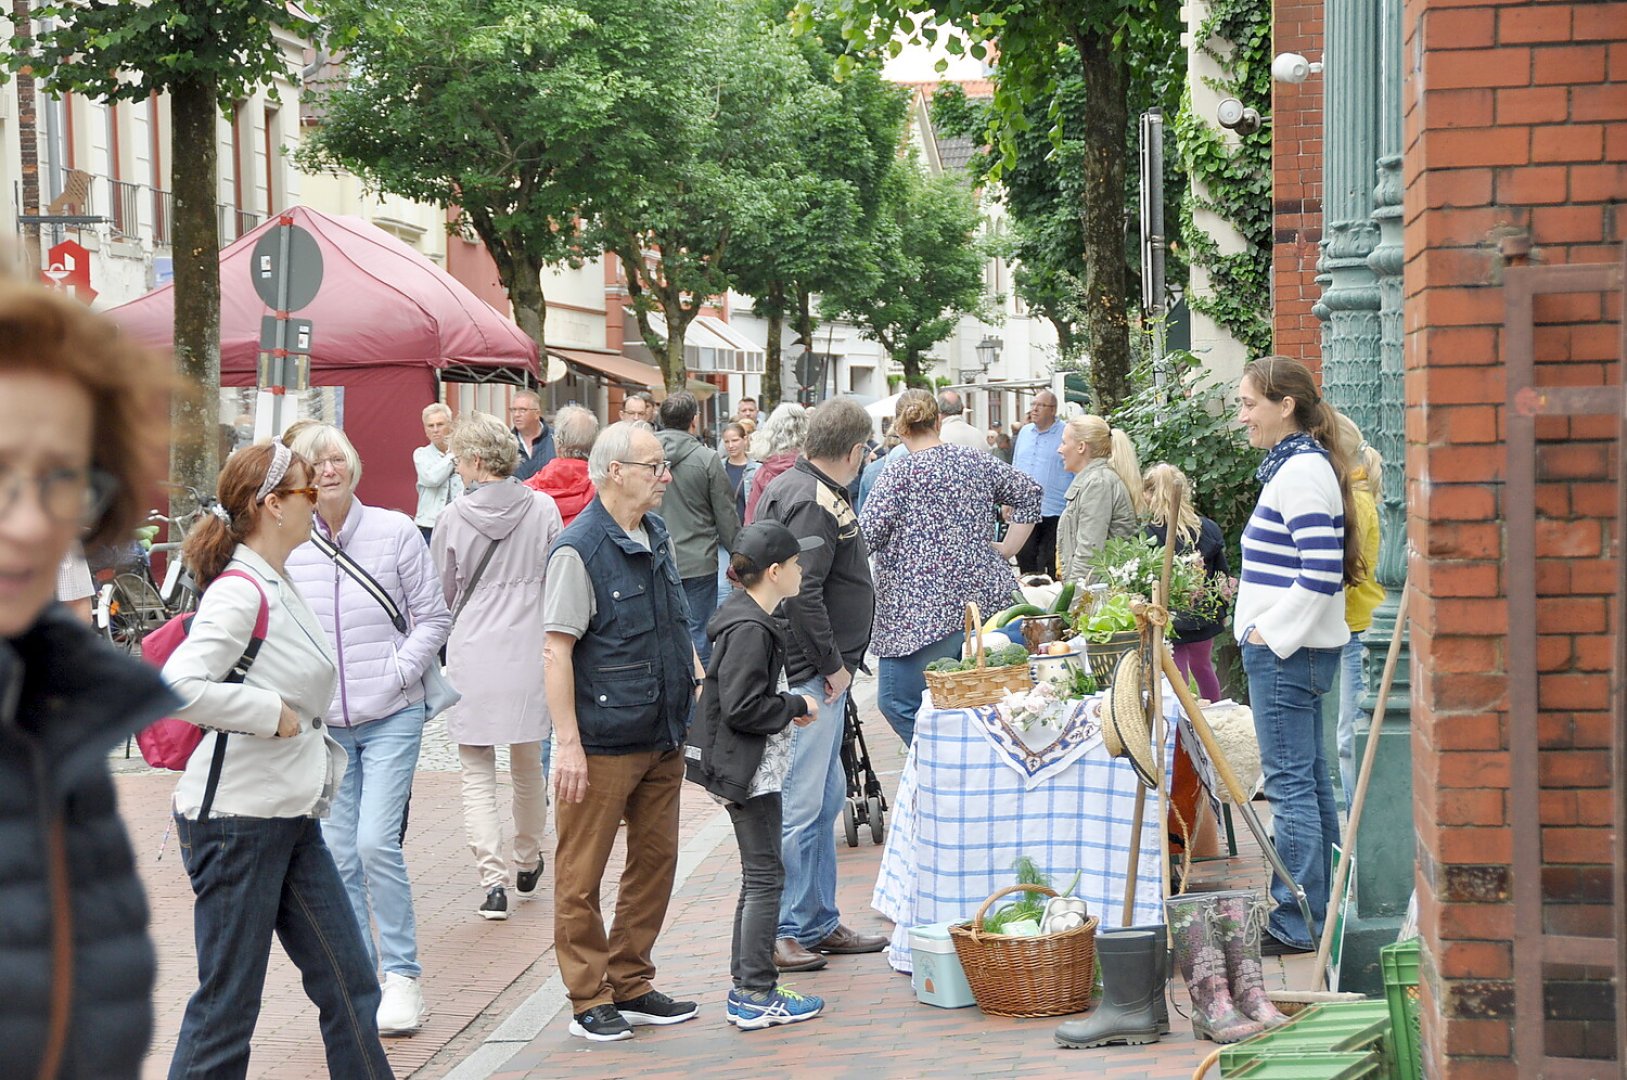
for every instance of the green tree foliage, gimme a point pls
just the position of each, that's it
(517, 112)
(1034, 44)
(1195, 429)
(846, 134)
(205, 57)
(921, 268)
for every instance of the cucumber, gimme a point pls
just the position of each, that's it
(1064, 599)
(1019, 611)
(1017, 597)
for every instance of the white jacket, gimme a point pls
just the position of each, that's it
(263, 776)
(438, 483)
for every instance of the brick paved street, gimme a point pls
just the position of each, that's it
(497, 1009)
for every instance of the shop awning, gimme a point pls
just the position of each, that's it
(614, 366)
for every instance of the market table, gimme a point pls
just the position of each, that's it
(973, 799)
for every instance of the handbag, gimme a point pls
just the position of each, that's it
(439, 693)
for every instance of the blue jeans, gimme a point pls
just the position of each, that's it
(811, 801)
(1352, 688)
(702, 595)
(901, 680)
(364, 832)
(254, 877)
(1286, 696)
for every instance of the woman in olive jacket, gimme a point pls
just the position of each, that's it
(76, 962)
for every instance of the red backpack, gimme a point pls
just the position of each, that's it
(168, 743)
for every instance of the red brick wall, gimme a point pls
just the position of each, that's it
(1296, 186)
(1515, 126)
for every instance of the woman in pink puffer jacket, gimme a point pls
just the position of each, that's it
(378, 710)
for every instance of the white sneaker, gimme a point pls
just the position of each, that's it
(401, 1009)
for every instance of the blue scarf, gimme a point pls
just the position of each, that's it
(1300, 442)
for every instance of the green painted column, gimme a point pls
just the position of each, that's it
(1385, 849)
(1350, 301)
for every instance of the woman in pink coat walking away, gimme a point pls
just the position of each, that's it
(491, 546)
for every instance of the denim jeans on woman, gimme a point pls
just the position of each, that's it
(364, 832)
(757, 824)
(702, 593)
(255, 877)
(811, 801)
(901, 680)
(1286, 696)
(1352, 688)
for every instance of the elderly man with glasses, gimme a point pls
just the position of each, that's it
(1034, 453)
(532, 432)
(621, 683)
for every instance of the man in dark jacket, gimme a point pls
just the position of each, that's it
(620, 689)
(830, 628)
(531, 432)
(699, 511)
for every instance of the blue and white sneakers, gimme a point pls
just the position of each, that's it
(749, 1010)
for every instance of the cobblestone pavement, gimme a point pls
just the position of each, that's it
(497, 1008)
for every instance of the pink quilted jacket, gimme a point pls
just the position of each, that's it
(380, 670)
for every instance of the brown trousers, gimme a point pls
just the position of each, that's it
(597, 968)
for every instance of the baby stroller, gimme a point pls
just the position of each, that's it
(866, 805)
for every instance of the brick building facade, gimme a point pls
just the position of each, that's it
(1515, 157)
(1296, 187)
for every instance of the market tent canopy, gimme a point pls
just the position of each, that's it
(386, 324)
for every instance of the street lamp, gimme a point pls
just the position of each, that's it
(988, 351)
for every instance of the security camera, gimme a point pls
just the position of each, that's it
(1243, 119)
(1293, 68)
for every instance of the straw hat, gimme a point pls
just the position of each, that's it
(1124, 719)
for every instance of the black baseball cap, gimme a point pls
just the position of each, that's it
(764, 543)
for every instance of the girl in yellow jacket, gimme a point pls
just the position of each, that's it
(1364, 465)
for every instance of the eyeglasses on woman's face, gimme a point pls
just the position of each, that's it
(657, 468)
(68, 496)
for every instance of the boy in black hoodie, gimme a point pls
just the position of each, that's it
(740, 749)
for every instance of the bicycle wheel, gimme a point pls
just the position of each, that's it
(134, 610)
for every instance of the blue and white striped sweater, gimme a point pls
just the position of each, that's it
(1292, 588)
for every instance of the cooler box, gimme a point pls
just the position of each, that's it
(938, 978)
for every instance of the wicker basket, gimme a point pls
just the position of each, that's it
(1104, 655)
(1048, 975)
(983, 685)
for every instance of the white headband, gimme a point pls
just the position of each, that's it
(280, 457)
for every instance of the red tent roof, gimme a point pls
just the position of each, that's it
(381, 303)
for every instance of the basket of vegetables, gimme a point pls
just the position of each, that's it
(1110, 631)
(983, 677)
(1026, 974)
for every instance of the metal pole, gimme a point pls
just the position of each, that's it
(1153, 243)
(279, 356)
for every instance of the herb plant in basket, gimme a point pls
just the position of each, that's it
(1132, 566)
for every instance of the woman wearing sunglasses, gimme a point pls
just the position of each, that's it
(79, 440)
(257, 674)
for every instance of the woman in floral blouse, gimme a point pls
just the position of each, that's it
(929, 526)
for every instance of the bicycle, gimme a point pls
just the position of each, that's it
(132, 603)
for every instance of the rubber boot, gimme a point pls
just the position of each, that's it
(1161, 1003)
(1203, 966)
(1126, 1012)
(1237, 921)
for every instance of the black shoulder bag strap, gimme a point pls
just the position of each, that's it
(239, 673)
(474, 579)
(362, 578)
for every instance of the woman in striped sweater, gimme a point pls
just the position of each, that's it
(1290, 621)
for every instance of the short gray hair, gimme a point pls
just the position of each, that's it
(838, 425)
(613, 444)
(575, 428)
(785, 429)
(535, 397)
(482, 435)
(950, 404)
(436, 407)
(313, 442)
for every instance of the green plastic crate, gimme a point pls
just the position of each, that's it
(1360, 1027)
(1312, 1067)
(1400, 963)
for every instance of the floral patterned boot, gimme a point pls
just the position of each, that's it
(1237, 921)
(1203, 966)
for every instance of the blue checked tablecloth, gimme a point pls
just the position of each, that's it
(963, 816)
